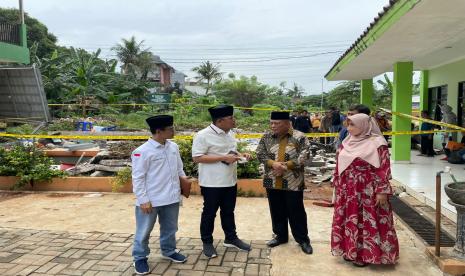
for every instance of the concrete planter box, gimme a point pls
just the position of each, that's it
(250, 187)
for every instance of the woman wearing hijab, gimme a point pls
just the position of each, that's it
(363, 226)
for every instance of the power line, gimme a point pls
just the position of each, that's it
(301, 46)
(259, 60)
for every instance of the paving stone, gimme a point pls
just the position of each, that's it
(252, 269)
(69, 252)
(88, 264)
(91, 254)
(46, 267)
(160, 268)
(68, 271)
(90, 273)
(109, 263)
(123, 266)
(216, 261)
(56, 269)
(190, 273)
(28, 270)
(235, 264)
(259, 261)
(61, 260)
(215, 274)
(103, 245)
(102, 267)
(241, 257)
(264, 269)
(10, 257)
(224, 269)
(6, 266)
(112, 256)
(77, 263)
(16, 269)
(238, 272)
(229, 256)
(201, 265)
(171, 272)
(106, 273)
(79, 253)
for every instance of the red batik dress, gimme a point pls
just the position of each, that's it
(361, 231)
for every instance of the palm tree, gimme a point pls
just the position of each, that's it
(295, 92)
(145, 64)
(129, 52)
(208, 71)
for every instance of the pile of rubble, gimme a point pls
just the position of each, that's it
(320, 167)
(114, 157)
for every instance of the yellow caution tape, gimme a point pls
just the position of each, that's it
(190, 137)
(201, 105)
(425, 120)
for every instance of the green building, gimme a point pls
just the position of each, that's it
(13, 42)
(407, 36)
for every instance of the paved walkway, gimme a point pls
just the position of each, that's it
(72, 235)
(35, 252)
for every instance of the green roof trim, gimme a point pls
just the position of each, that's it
(377, 28)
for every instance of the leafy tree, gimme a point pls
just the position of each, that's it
(37, 33)
(242, 92)
(74, 74)
(296, 92)
(386, 85)
(344, 95)
(209, 72)
(314, 100)
(132, 54)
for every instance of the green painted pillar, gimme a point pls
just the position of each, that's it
(402, 102)
(366, 93)
(424, 82)
(23, 35)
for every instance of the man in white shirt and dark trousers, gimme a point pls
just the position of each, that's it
(215, 149)
(156, 170)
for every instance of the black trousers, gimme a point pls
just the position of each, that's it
(288, 206)
(427, 146)
(214, 198)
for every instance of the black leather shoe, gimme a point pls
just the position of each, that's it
(274, 242)
(306, 248)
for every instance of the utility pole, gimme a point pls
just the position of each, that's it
(21, 11)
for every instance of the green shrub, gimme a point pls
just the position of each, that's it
(122, 177)
(246, 170)
(27, 163)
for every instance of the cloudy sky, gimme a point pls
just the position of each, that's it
(295, 41)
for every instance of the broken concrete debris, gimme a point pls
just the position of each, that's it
(110, 160)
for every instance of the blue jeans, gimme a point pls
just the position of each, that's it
(168, 220)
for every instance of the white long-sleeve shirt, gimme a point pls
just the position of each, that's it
(156, 169)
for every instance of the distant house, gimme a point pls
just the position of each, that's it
(195, 87)
(161, 73)
(178, 77)
(165, 75)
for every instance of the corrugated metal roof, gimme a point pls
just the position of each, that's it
(22, 94)
(365, 32)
